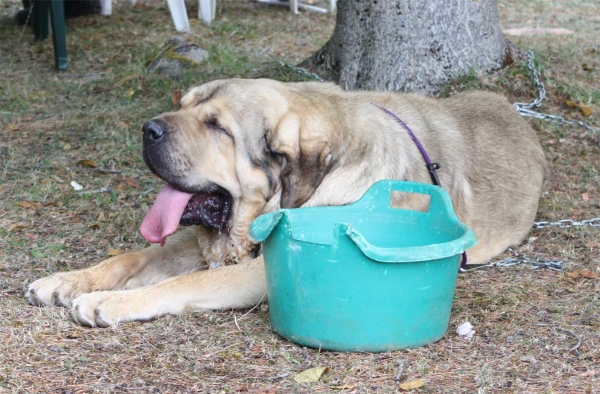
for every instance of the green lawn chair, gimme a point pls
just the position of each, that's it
(40, 9)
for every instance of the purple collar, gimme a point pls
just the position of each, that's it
(431, 167)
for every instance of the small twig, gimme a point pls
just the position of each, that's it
(97, 191)
(587, 319)
(283, 375)
(253, 308)
(110, 171)
(236, 323)
(96, 169)
(574, 348)
(400, 368)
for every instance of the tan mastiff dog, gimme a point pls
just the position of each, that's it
(238, 148)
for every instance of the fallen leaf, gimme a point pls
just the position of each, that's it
(591, 372)
(58, 179)
(587, 67)
(11, 127)
(585, 196)
(101, 217)
(310, 375)
(583, 273)
(87, 163)
(130, 93)
(95, 226)
(125, 80)
(29, 204)
(132, 183)
(53, 203)
(346, 386)
(2, 266)
(114, 252)
(176, 98)
(13, 228)
(67, 146)
(585, 110)
(592, 244)
(141, 7)
(268, 389)
(413, 384)
(588, 273)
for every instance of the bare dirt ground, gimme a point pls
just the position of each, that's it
(83, 125)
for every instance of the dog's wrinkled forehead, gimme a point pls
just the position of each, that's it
(243, 94)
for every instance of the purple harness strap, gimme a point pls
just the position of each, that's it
(431, 167)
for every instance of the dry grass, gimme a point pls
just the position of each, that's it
(50, 121)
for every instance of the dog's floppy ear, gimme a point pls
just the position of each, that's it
(307, 159)
(201, 94)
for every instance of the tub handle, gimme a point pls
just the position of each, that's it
(262, 226)
(378, 196)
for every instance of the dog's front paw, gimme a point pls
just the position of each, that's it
(241, 248)
(109, 308)
(58, 289)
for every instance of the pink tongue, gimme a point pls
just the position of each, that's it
(163, 218)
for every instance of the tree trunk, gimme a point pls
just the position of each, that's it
(411, 45)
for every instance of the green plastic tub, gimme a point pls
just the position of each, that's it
(364, 276)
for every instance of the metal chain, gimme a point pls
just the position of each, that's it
(525, 109)
(302, 71)
(554, 265)
(296, 69)
(535, 76)
(567, 223)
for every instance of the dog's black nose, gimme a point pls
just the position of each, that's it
(154, 130)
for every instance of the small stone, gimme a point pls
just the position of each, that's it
(529, 359)
(177, 55)
(510, 339)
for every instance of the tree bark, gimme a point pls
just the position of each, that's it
(411, 45)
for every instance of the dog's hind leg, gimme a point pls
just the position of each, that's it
(181, 254)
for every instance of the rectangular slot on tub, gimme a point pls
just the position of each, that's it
(415, 201)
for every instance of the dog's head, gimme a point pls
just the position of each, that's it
(236, 141)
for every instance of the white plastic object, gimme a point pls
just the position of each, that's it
(106, 7)
(179, 14)
(207, 10)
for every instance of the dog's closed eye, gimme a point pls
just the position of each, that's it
(213, 124)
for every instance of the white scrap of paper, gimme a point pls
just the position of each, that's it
(465, 330)
(76, 186)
